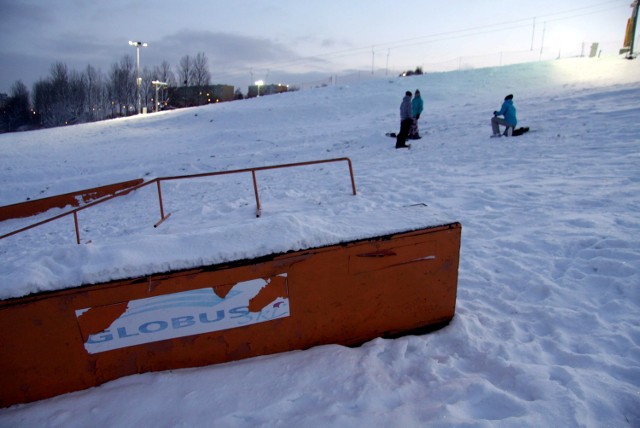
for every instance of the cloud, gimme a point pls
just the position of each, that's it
(229, 48)
(231, 58)
(15, 15)
(333, 43)
(26, 68)
(88, 48)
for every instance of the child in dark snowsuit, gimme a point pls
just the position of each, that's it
(406, 119)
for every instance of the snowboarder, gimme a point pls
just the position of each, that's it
(406, 119)
(416, 108)
(510, 121)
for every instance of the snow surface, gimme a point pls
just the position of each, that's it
(547, 326)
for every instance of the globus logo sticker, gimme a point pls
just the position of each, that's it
(181, 314)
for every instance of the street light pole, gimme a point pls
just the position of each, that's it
(258, 84)
(138, 80)
(158, 84)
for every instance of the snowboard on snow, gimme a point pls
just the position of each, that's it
(394, 135)
(520, 131)
(516, 132)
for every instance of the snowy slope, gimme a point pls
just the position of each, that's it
(546, 331)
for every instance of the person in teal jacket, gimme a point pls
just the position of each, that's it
(508, 111)
(416, 108)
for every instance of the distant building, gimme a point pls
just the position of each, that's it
(218, 93)
(188, 96)
(267, 89)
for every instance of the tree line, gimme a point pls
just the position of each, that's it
(69, 96)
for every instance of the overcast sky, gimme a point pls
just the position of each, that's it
(292, 41)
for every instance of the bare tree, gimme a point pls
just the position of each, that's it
(15, 113)
(164, 74)
(77, 98)
(59, 89)
(93, 91)
(185, 70)
(123, 85)
(72, 97)
(146, 89)
(59, 76)
(43, 97)
(102, 102)
(200, 71)
(200, 77)
(52, 97)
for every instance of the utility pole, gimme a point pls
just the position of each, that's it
(533, 32)
(544, 29)
(386, 70)
(373, 55)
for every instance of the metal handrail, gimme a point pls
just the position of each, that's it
(158, 180)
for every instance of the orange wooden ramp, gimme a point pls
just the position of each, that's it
(68, 340)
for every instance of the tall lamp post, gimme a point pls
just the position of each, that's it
(138, 80)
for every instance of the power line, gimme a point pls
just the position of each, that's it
(449, 35)
(507, 25)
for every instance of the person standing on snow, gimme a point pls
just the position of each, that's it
(416, 108)
(406, 119)
(508, 110)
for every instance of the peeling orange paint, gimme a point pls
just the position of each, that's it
(223, 290)
(37, 206)
(95, 320)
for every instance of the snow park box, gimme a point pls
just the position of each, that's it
(346, 292)
(67, 340)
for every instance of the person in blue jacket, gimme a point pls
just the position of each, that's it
(416, 108)
(406, 119)
(508, 111)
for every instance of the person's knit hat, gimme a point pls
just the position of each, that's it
(408, 93)
(508, 97)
